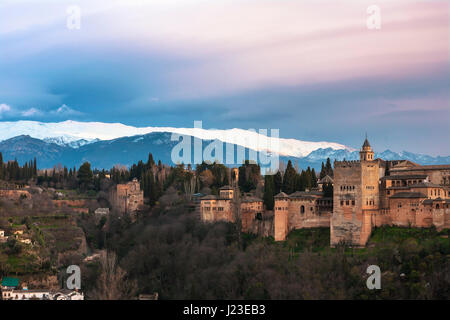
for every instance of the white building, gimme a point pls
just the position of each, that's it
(25, 295)
(67, 295)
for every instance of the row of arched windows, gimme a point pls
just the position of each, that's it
(302, 209)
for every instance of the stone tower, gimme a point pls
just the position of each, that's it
(234, 177)
(366, 153)
(281, 213)
(356, 198)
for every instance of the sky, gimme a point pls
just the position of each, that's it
(313, 69)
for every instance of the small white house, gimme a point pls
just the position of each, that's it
(25, 295)
(102, 211)
(26, 241)
(3, 238)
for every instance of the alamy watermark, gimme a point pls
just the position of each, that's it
(74, 280)
(73, 18)
(374, 280)
(228, 148)
(373, 21)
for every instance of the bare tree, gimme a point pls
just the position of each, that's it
(189, 187)
(112, 283)
(237, 213)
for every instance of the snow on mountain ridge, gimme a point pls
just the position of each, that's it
(69, 132)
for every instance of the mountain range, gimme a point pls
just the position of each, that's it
(71, 143)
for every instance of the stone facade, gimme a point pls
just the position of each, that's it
(355, 197)
(128, 197)
(373, 192)
(223, 208)
(367, 193)
(300, 210)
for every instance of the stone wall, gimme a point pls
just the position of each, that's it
(127, 197)
(304, 213)
(281, 213)
(14, 195)
(345, 225)
(213, 210)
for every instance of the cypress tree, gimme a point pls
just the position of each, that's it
(289, 178)
(269, 191)
(314, 178)
(329, 168)
(323, 172)
(278, 182)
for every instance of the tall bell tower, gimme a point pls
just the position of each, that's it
(366, 153)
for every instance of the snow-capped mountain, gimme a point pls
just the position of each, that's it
(317, 156)
(64, 141)
(128, 150)
(105, 144)
(76, 134)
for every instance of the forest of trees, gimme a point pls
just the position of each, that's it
(171, 252)
(292, 181)
(168, 250)
(12, 171)
(155, 178)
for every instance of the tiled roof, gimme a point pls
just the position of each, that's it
(302, 195)
(209, 197)
(281, 195)
(226, 188)
(252, 199)
(427, 167)
(409, 195)
(366, 144)
(425, 185)
(299, 194)
(405, 177)
(10, 282)
(436, 200)
(430, 201)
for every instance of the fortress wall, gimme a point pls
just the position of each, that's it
(281, 219)
(447, 217)
(308, 217)
(69, 203)
(247, 220)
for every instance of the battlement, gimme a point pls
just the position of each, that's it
(346, 163)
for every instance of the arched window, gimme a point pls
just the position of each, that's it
(302, 209)
(437, 206)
